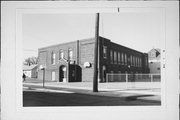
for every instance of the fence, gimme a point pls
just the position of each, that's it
(133, 77)
(133, 81)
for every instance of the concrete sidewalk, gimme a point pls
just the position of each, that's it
(105, 89)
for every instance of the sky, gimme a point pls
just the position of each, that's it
(139, 31)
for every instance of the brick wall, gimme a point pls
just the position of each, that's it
(45, 58)
(87, 55)
(83, 51)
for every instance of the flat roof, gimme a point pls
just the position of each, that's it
(88, 39)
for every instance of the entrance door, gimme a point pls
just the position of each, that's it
(62, 74)
(74, 73)
(104, 73)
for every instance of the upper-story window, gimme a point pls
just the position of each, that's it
(111, 56)
(53, 57)
(119, 57)
(70, 54)
(146, 61)
(139, 61)
(136, 62)
(61, 54)
(122, 58)
(105, 51)
(115, 57)
(131, 60)
(125, 57)
(153, 54)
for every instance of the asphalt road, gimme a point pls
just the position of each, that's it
(34, 98)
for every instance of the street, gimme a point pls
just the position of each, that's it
(68, 98)
(80, 94)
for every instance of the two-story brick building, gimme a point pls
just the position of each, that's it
(74, 61)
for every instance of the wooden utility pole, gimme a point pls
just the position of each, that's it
(95, 78)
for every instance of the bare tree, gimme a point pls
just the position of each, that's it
(31, 61)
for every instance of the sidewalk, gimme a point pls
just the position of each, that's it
(105, 89)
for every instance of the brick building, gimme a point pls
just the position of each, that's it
(74, 61)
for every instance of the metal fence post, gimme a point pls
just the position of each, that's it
(151, 78)
(126, 81)
(126, 78)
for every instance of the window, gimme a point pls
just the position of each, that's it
(136, 61)
(131, 59)
(122, 58)
(53, 75)
(119, 57)
(53, 57)
(125, 57)
(70, 54)
(153, 54)
(146, 62)
(61, 54)
(105, 51)
(115, 57)
(140, 62)
(111, 56)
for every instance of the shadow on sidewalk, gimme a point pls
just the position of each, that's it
(132, 98)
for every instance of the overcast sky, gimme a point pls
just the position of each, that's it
(139, 31)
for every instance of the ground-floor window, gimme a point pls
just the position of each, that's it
(53, 76)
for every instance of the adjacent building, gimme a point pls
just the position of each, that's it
(74, 61)
(30, 71)
(154, 61)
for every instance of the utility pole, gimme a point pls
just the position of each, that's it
(95, 77)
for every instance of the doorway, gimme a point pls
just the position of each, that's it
(104, 73)
(62, 73)
(75, 73)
